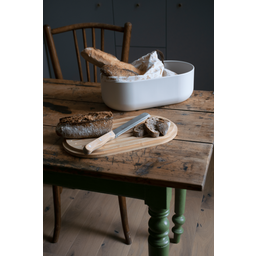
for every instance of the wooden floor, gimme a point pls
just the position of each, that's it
(87, 230)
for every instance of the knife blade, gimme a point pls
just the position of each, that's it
(99, 142)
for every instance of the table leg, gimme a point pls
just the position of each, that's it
(178, 219)
(158, 240)
(158, 200)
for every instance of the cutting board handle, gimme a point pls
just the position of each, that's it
(99, 142)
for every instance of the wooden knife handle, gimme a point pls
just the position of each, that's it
(99, 142)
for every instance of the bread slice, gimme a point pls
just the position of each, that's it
(139, 130)
(155, 126)
(151, 128)
(163, 126)
(91, 125)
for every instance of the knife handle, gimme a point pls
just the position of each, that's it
(99, 142)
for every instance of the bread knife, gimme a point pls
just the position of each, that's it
(99, 142)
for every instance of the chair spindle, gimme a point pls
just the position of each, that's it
(102, 39)
(78, 56)
(94, 46)
(126, 42)
(86, 62)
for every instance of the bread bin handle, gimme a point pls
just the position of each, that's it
(99, 142)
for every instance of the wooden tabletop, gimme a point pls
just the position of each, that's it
(180, 163)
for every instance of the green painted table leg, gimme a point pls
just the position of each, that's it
(158, 200)
(178, 219)
(158, 240)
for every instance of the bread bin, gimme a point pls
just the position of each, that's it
(135, 95)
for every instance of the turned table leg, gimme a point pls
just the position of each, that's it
(178, 219)
(158, 199)
(158, 240)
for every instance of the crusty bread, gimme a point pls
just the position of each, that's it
(112, 70)
(163, 126)
(90, 125)
(139, 130)
(153, 126)
(100, 58)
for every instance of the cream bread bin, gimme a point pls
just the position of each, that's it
(135, 95)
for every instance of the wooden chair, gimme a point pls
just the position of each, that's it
(126, 30)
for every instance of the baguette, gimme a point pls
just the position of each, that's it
(90, 125)
(109, 70)
(100, 58)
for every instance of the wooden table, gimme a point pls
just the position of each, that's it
(147, 174)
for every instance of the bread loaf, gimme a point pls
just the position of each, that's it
(90, 125)
(112, 70)
(100, 58)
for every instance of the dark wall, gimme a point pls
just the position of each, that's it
(181, 30)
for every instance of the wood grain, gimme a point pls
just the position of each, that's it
(192, 126)
(56, 109)
(87, 92)
(204, 240)
(72, 221)
(173, 164)
(67, 197)
(198, 101)
(50, 137)
(202, 101)
(124, 143)
(96, 227)
(89, 25)
(208, 193)
(51, 82)
(139, 247)
(136, 210)
(192, 211)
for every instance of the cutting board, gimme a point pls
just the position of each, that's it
(124, 143)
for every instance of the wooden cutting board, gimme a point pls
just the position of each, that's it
(124, 143)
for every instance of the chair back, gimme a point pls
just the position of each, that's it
(126, 30)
